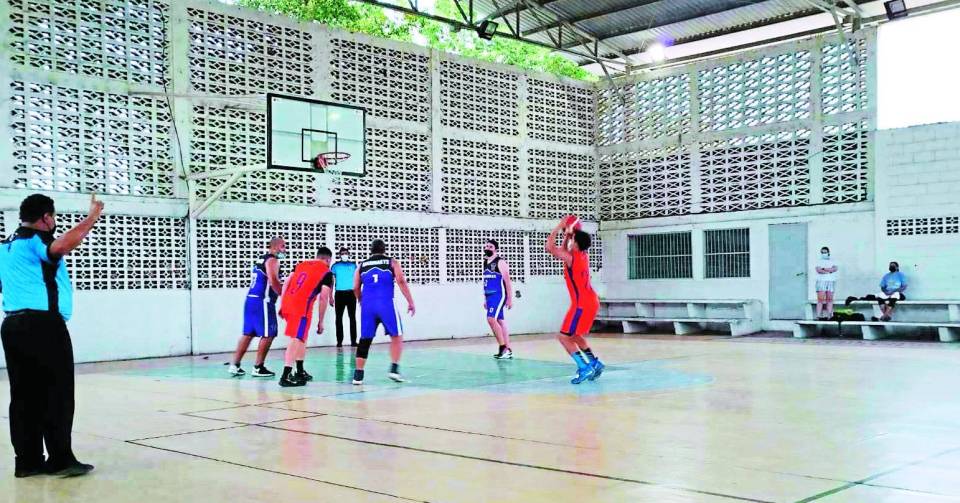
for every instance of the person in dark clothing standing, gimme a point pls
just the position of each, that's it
(38, 301)
(343, 297)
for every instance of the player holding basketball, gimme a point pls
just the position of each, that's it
(498, 294)
(373, 286)
(584, 302)
(309, 280)
(260, 309)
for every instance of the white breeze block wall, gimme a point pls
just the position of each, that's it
(918, 206)
(458, 151)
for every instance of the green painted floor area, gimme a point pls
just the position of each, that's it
(431, 368)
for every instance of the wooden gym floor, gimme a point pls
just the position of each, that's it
(673, 419)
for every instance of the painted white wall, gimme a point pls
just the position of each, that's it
(917, 82)
(444, 311)
(849, 234)
(918, 176)
(126, 324)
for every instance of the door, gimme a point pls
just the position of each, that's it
(788, 271)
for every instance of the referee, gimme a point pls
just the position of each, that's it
(38, 300)
(343, 297)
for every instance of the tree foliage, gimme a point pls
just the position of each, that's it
(372, 20)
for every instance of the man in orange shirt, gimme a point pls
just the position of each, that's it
(584, 302)
(309, 280)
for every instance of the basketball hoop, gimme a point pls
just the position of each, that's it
(326, 159)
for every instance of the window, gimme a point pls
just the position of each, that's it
(661, 256)
(727, 253)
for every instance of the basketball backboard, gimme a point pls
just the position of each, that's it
(311, 135)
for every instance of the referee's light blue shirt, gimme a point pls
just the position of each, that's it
(29, 279)
(343, 271)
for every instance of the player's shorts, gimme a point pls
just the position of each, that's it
(259, 317)
(495, 305)
(298, 326)
(579, 319)
(376, 312)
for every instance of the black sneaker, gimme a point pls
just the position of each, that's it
(22, 472)
(357, 377)
(302, 375)
(262, 371)
(74, 469)
(291, 381)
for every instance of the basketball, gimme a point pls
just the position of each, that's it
(571, 223)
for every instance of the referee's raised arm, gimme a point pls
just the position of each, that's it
(37, 302)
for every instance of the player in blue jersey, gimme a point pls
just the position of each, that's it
(497, 295)
(374, 284)
(260, 309)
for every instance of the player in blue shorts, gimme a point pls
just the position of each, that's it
(498, 295)
(373, 286)
(260, 309)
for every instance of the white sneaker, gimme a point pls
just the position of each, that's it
(396, 377)
(236, 371)
(506, 355)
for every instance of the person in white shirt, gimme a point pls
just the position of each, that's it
(826, 284)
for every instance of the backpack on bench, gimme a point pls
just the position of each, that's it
(843, 314)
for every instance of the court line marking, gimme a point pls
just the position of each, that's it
(541, 442)
(276, 472)
(235, 425)
(863, 481)
(522, 465)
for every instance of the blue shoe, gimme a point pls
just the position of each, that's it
(598, 367)
(582, 375)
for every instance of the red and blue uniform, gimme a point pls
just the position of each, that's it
(303, 288)
(584, 302)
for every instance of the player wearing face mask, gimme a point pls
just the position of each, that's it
(260, 309)
(497, 295)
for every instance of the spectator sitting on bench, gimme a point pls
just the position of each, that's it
(892, 287)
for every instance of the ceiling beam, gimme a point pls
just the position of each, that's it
(464, 26)
(518, 7)
(635, 29)
(751, 26)
(588, 16)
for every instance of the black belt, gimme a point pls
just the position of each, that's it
(19, 312)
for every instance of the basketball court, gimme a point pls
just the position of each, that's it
(714, 419)
(747, 208)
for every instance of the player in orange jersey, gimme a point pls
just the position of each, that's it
(309, 280)
(584, 302)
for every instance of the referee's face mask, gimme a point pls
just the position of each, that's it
(50, 222)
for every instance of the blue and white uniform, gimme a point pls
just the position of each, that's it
(260, 308)
(494, 288)
(378, 282)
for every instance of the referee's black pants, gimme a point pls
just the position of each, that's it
(345, 299)
(39, 357)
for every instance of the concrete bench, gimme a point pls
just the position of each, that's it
(933, 311)
(874, 330)
(688, 316)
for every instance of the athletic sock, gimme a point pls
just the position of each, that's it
(299, 365)
(502, 348)
(394, 368)
(286, 372)
(590, 356)
(578, 359)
